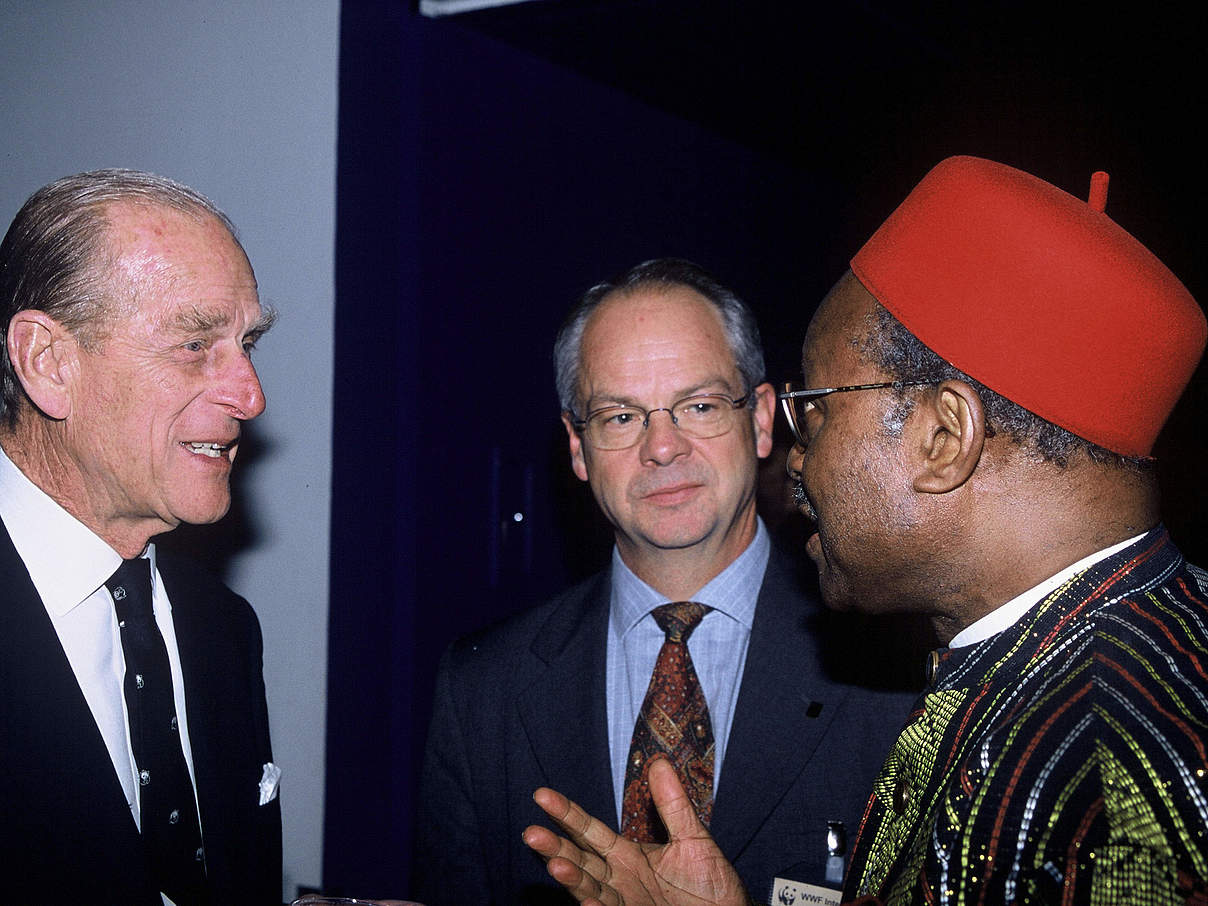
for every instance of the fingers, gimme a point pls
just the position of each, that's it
(551, 847)
(583, 829)
(574, 869)
(580, 885)
(673, 804)
(544, 842)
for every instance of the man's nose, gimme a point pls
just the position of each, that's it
(662, 440)
(793, 462)
(238, 387)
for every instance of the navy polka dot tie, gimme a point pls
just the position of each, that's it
(674, 721)
(170, 827)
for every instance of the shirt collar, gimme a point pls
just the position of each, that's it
(1008, 614)
(733, 592)
(66, 560)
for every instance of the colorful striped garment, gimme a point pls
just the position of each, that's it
(1064, 760)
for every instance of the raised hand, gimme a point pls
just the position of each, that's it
(601, 868)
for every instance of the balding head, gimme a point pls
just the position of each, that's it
(55, 255)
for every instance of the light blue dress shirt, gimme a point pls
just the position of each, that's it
(718, 647)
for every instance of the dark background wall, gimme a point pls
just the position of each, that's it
(494, 165)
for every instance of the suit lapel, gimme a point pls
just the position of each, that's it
(784, 708)
(58, 776)
(218, 641)
(192, 636)
(563, 711)
(217, 701)
(53, 700)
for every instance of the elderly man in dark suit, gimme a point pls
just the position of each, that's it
(136, 765)
(697, 642)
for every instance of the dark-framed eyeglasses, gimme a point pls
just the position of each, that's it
(620, 427)
(797, 403)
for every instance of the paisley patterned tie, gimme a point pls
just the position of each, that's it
(674, 721)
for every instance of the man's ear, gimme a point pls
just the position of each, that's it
(764, 418)
(42, 352)
(577, 461)
(950, 427)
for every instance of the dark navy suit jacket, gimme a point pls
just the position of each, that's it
(522, 705)
(66, 833)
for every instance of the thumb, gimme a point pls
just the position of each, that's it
(673, 804)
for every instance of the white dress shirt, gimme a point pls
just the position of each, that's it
(69, 565)
(1008, 614)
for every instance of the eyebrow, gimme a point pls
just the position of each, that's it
(198, 320)
(682, 394)
(263, 324)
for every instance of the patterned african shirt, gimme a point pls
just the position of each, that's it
(1063, 760)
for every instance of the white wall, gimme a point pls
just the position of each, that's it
(236, 98)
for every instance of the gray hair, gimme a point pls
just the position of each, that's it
(893, 348)
(53, 255)
(738, 323)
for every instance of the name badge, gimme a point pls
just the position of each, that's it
(794, 893)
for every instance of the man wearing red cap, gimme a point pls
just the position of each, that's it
(986, 384)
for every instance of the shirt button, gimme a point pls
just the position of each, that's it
(174, 818)
(144, 776)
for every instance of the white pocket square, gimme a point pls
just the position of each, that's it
(268, 783)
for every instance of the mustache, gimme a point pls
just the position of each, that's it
(799, 494)
(802, 502)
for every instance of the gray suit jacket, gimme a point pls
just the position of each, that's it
(521, 705)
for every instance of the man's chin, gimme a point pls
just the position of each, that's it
(202, 512)
(835, 594)
(835, 597)
(676, 534)
(675, 542)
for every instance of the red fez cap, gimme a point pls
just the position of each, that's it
(1039, 296)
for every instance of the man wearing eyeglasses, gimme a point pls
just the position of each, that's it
(696, 642)
(984, 388)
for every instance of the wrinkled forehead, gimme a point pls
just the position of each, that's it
(148, 241)
(146, 231)
(178, 269)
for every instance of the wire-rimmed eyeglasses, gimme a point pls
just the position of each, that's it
(620, 427)
(797, 403)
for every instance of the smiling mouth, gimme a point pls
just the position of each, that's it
(208, 449)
